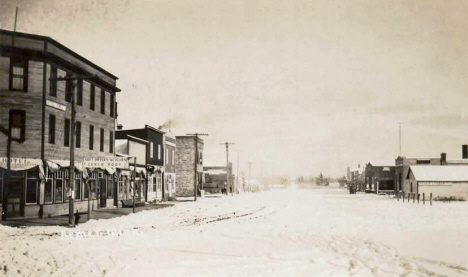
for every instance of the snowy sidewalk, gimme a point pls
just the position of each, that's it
(104, 213)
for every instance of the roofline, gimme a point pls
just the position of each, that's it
(154, 129)
(58, 44)
(136, 139)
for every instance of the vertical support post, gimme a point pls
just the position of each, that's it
(134, 182)
(430, 198)
(424, 198)
(71, 216)
(409, 194)
(419, 196)
(195, 176)
(414, 196)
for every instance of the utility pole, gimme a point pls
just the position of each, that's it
(195, 176)
(71, 198)
(228, 177)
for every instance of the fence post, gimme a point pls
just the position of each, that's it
(419, 195)
(398, 196)
(430, 198)
(424, 198)
(414, 196)
(409, 195)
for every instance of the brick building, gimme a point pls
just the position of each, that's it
(188, 152)
(36, 129)
(380, 178)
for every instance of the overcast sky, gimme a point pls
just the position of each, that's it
(300, 87)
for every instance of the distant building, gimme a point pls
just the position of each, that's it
(189, 165)
(380, 178)
(169, 190)
(216, 178)
(449, 181)
(35, 113)
(154, 163)
(355, 177)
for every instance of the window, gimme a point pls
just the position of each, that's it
(51, 128)
(101, 148)
(151, 150)
(167, 155)
(79, 93)
(78, 134)
(111, 142)
(173, 157)
(66, 187)
(103, 102)
(66, 136)
(77, 186)
(48, 188)
(68, 89)
(91, 137)
(112, 104)
(200, 158)
(154, 183)
(58, 189)
(31, 186)
(92, 97)
(159, 151)
(53, 82)
(1, 187)
(18, 125)
(18, 74)
(110, 187)
(86, 190)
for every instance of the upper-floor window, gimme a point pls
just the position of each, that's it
(53, 82)
(66, 136)
(173, 157)
(159, 151)
(18, 74)
(18, 125)
(51, 128)
(78, 134)
(167, 155)
(101, 148)
(151, 150)
(68, 89)
(103, 101)
(111, 142)
(92, 94)
(91, 137)
(79, 93)
(112, 96)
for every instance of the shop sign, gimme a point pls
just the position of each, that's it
(56, 105)
(111, 162)
(20, 163)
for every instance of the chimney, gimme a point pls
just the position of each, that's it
(443, 158)
(119, 126)
(465, 151)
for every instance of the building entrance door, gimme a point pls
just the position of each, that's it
(102, 192)
(13, 197)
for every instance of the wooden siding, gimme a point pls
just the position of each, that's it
(31, 102)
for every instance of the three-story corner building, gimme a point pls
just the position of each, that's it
(153, 170)
(36, 126)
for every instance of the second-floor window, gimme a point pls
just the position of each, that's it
(173, 157)
(151, 150)
(111, 142)
(18, 74)
(91, 137)
(68, 89)
(66, 136)
(78, 134)
(51, 129)
(18, 125)
(101, 146)
(112, 104)
(159, 151)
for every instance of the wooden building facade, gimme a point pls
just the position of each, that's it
(35, 124)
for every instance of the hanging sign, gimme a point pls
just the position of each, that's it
(110, 162)
(56, 105)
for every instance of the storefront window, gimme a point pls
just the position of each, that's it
(86, 189)
(110, 187)
(1, 187)
(66, 189)
(58, 190)
(78, 186)
(48, 189)
(31, 187)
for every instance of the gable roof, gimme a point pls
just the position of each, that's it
(440, 173)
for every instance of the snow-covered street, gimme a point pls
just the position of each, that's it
(294, 232)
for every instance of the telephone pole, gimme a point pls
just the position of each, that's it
(227, 167)
(197, 160)
(71, 198)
